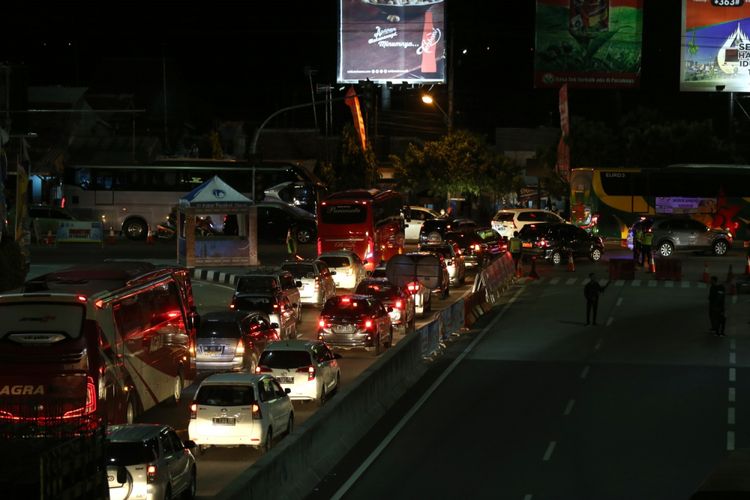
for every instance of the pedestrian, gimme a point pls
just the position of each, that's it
(291, 243)
(716, 296)
(591, 291)
(646, 240)
(515, 248)
(637, 237)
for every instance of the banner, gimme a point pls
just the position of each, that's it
(352, 101)
(715, 52)
(588, 43)
(563, 150)
(391, 41)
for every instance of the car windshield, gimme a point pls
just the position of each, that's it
(128, 453)
(264, 304)
(218, 329)
(284, 359)
(300, 270)
(503, 217)
(384, 291)
(335, 261)
(256, 283)
(344, 306)
(225, 395)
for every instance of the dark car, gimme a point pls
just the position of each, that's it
(233, 340)
(434, 230)
(399, 300)
(479, 246)
(556, 241)
(275, 217)
(681, 233)
(355, 322)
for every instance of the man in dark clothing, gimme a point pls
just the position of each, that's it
(591, 291)
(716, 296)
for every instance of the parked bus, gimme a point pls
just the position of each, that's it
(607, 201)
(367, 222)
(132, 198)
(107, 341)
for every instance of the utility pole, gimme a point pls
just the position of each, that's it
(164, 82)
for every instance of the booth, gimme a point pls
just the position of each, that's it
(214, 227)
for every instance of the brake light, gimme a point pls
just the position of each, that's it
(310, 370)
(262, 369)
(476, 247)
(322, 323)
(81, 298)
(151, 473)
(240, 350)
(193, 410)
(368, 324)
(399, 304)
(412, 287)
(346, 300)
(368, 251)
(90, 406)
(257, 415)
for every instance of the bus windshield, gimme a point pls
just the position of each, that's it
(49, 318)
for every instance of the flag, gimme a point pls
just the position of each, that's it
(352, 101)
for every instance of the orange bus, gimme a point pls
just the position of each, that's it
(368, 222)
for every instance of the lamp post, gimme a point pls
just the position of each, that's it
(427, 99)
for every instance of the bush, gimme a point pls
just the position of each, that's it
(13, 267)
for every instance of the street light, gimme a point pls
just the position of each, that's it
(427, 99)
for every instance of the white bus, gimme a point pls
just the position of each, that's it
(133, 198)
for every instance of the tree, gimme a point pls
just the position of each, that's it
(352, 168)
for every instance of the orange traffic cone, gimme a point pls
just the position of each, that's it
(649, 263)
(705, 278)
(150, 236)
(111, 239)
(747, 266)
(571, 262)
(532, 274)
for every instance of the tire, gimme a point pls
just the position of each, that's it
(192, 488)
(269, 441)
(304, 235)
(179, 385)
(135, 229)
(556, 257)
(596, 254)
(290, 424)
(412, 325)
(665, 248)
(428, 306)
(377, 350)
(322, 399)
(720, 247)
(390, 339)
(131, 411)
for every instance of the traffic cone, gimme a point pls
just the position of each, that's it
(706, 278)
(747, 266)
(571, 262)
(150, 237)
(652, 264)
(532, 274)
(730, 274)
(111, 239)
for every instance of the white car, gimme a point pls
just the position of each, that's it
(415, 217)
(316, 279)
(240, 409)
(508, 220)
(307, 369)
(349, 268)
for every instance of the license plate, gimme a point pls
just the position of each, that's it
(213, 349)
(285, 380)
(224, 420)
(344, 329)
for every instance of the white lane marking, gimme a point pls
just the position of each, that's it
(635, 283)
(732, 358)
(554, 281)
(730, 440)
(569, 407)
(619, 301)
(669, 284)
(548, 452)
(734, 299)
(652, 284)
(571, 281)
(730, 416)
(619, 282)
(733, 375)
(610, 320)
(733, 345)
(414, 409)
(685, 284)
(732, 395)
(528, 496)
(702, 285)
(598, 344)
(585, 371)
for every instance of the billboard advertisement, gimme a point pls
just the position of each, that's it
(715, 51)
(588, 43)
(391, 41)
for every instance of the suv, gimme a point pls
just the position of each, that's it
(347, 265)
(316, 280)
(278, 308)
(276, 217)
(433, 231)
(508, 220)
(267, 279)
(355, 322)
(556, 241)
(307, 369)
(454, 260)
(415, 216)
(149, 457)
(403, 314)
(681, 233)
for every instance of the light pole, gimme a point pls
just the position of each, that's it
(427, 99)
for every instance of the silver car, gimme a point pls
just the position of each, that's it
(149, 461)
(316, 279)
(676, 234)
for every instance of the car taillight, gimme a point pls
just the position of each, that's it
(476, 247)
(193, 410)
(262, 369)
(399, 304)
(368, 324)
(310, 370)
(412, 287)
(317, 283)
(90, 406)
(257, 415)
(368, 251)
(151, 473)
(240, 350)
(322, 323)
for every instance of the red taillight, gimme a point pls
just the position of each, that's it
(399, 304)
(193, 410)
(240, 350)
(90, 406)
(310, 370)
(81, 298)
(262, 369)
(257, 415)
(368, 324)
(151, 473)
(322, 323)
(412, 287)
(320, 247)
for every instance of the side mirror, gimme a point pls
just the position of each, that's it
(189, 444)
(298, 284)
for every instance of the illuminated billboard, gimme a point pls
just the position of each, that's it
(391, 41)
(715, 51)
(588, 43)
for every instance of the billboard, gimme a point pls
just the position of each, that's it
(715, 51)
(588, 43)
(391, 41)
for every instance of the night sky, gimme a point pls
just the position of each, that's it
(230, 60)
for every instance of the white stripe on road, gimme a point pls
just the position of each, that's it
(669, 284)
(598, 344)
(528, 496)
(414, 409)
(636, 283)
(732, 358)
(652, 284)
(733, 345)
(734, 299)
(730, 441)
(619, 301)
(569, 407)
(732, 374)
(585, 371)
(685, 284)
(554, 281)
(610, 320)
(619, 282)
(730, 416)
(548, 452)
(732, 395)
(570, 281)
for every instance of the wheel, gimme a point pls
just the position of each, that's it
(428, 307)
(304, 235)
(377, 350)
(192, 487)
(322, 399)
(596, 254)
(135, 229)
(390, 339)
(665, 248)
(412, 325)
(557, 257)
(269, 441)
(447, 292)
(179, 384)
(290, 424)
(130, 411)
(720, 247)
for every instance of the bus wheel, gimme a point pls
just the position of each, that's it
(304, 235)
(135, 229)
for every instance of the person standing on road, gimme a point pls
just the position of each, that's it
(291, 243)
(646, 240)
(716, 296)
(591, 291)
(515, 248)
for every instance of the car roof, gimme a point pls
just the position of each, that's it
(274, 294)
(264, 271)
(292, 345)
(233, 378)
(228, 316)
(337, 253)
(134, 432)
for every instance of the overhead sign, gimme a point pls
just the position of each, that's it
(588, 43)
(391, 41)
(715, 52)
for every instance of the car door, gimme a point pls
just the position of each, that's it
(284, 406)
(288, 317)
(270, 397)
(176, 460)
(321, 365)
(698, 235)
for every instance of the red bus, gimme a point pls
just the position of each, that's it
(367, 222)
(104, 341)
